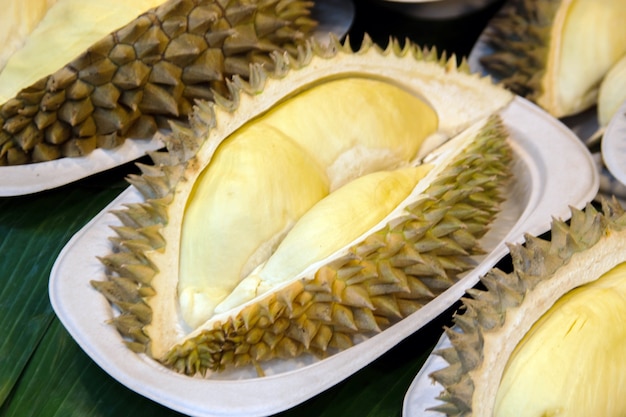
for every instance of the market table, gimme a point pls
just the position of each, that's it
(54, 377)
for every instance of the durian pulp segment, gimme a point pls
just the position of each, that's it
(239, 213)
(68, 28)
(359, 126)
(573, 360)
(17, 20)
(331, 224)
(593, 39)
(612, 92)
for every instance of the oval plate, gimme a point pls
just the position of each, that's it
(334, 16)
(552, 170)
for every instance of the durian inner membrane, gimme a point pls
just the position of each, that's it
(573, 360)
(315, 173)
(66, 29)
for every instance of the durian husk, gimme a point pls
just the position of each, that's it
(361, 289)
(495, 320)
(556, 52)
(146, 73)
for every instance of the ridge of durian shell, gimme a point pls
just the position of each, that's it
(534, 262)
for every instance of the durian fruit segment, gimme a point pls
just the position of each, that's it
(556, 52)
(612, 92)
(573, 281)
(139, 76)
(415, 249)
(584, 326)
(17, 21)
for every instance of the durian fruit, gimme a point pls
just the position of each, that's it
(556, 52)
(92, 73)
(612, 92)
(547, 339)
(316, 207)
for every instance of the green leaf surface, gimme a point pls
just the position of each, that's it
(33, 230)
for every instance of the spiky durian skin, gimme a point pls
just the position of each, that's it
(432, 242)
(146, 73)
(496, 319)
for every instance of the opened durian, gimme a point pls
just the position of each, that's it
(78, 74)
(547, 339)
(556, 52)
(316, 207)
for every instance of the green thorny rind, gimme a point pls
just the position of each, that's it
(442, 237)
(485, 311)
(519, 35)
(146, 73)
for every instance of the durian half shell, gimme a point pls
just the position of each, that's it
(90, 74)
(411, 156)
(547, 338)
(555, 52)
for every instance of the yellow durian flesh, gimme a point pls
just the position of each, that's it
(334, 222)
(67, 28)
(572, 362)
(239, 210)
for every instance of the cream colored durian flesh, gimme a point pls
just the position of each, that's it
(556, 52)
(65, 28)
(321, 206)
(612, 92)
(80, 75)
(548, 338)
